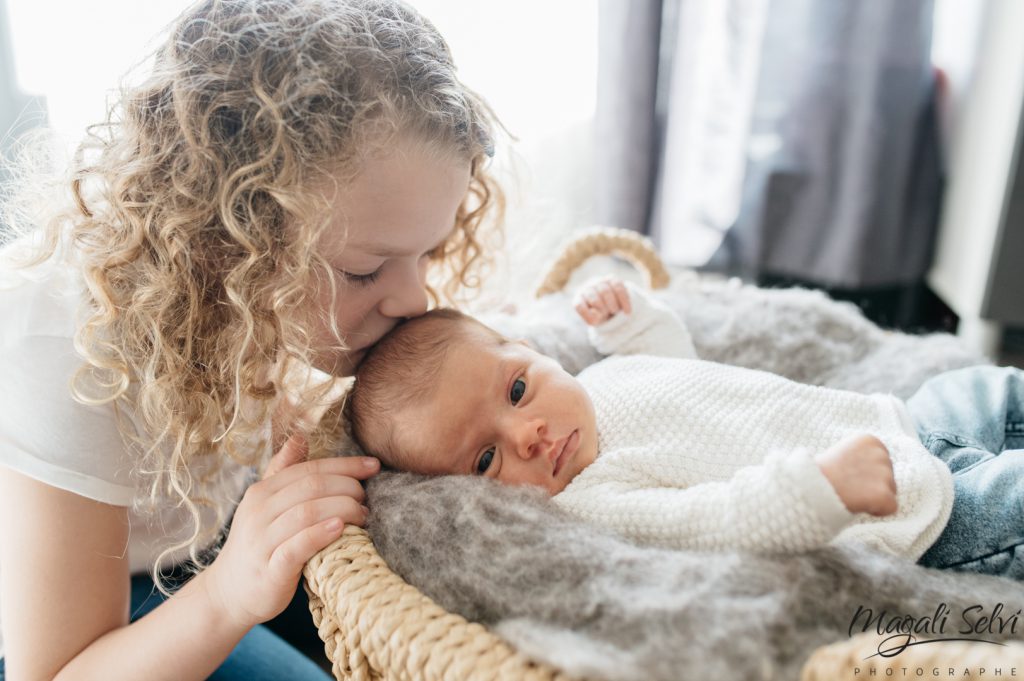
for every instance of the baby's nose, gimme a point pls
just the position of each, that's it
(533, 440)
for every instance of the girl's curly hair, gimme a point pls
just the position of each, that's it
(194, 219)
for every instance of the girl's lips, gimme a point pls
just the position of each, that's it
(569, 448)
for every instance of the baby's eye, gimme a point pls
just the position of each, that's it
(485, 461)
(518, 390)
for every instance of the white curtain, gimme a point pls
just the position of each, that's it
(536, 63)
(710, 86)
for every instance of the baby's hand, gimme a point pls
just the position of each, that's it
(600, 300)
(860, 471)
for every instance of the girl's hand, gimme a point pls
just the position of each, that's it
(297, 509)
(600, 300)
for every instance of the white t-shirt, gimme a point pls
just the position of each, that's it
(49, 436)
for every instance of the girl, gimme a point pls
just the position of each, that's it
(257, 212)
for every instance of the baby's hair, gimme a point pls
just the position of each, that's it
(195, 208)
(400, 370)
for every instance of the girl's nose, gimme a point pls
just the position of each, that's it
(407, 294)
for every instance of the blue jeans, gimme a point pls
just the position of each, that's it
(973, 419)
(260, 656)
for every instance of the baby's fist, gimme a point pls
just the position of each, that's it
(600, 300)
(860, 471)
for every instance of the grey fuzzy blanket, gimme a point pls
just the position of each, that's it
(601, 608)
(578, 598)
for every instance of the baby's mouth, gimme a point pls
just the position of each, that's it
(568, 448)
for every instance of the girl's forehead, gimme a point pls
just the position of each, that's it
(399, 205)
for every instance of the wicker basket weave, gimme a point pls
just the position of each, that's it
(605, 241)
(377, 626)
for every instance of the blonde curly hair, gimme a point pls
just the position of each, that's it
(181, 198)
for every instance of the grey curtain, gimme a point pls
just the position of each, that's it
(815, 155)
(628, 129)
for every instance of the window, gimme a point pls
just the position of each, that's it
(535, 61)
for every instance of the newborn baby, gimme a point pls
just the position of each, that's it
(652, 442)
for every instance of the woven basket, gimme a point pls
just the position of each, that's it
(376, 626)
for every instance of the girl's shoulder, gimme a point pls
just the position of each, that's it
(41, 300)
(47, 433)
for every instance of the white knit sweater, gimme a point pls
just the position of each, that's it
(694, 454)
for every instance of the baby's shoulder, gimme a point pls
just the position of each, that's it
(639, 366)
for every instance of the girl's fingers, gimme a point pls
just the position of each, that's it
(307, 514)
(289, 557)
(358, 467)
(295, 450)
(313, 487)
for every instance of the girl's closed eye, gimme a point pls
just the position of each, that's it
(371, 277)
(360, 279)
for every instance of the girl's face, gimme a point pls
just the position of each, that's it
(385, 223)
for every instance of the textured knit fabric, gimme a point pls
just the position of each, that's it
(694, 454)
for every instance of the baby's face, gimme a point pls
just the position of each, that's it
(505, 412)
